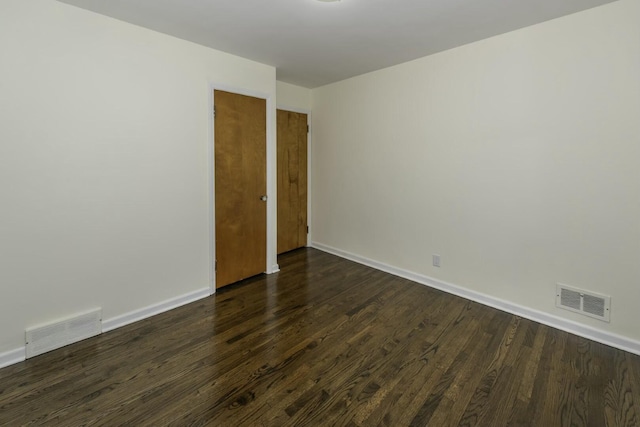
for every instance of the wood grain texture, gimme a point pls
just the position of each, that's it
(292, 180)
(240, 181)
(327, 342)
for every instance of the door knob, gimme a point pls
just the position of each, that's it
(263, 198)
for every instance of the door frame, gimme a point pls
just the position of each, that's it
(309, 177)
(271, 155)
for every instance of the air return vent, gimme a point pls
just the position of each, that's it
(583, 302)
(45, 338)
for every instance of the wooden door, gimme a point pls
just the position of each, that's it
(240, 183)
(292, 180)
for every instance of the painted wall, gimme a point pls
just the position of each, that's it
(516, 158)
(104, 180)
(293, 97)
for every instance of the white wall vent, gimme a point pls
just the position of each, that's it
(584, 302)
(42, 339)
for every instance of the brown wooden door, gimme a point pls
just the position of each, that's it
(292, 180)
(240, 182)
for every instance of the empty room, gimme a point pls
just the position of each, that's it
(320, 213)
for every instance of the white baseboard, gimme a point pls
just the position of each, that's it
(152, 310)
(18, 355)
(12, 357)
(613, 340)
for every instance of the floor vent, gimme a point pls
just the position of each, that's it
(583, 302)
(45, 338)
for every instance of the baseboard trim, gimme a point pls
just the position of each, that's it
(152, 310)
(613, 340)
(19, 355)
(12, 357)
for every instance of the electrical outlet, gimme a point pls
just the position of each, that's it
(436, 260)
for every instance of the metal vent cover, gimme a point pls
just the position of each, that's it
(570, 299)
(594, 305)
(42, 339)
(584, 302)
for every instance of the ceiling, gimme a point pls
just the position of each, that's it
(312, 43)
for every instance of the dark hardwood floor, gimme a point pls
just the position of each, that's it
(327, 342)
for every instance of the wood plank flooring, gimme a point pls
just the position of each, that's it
(327, 342)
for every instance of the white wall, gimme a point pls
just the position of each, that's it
(293, 97)
(104, 180)
(516, 158)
